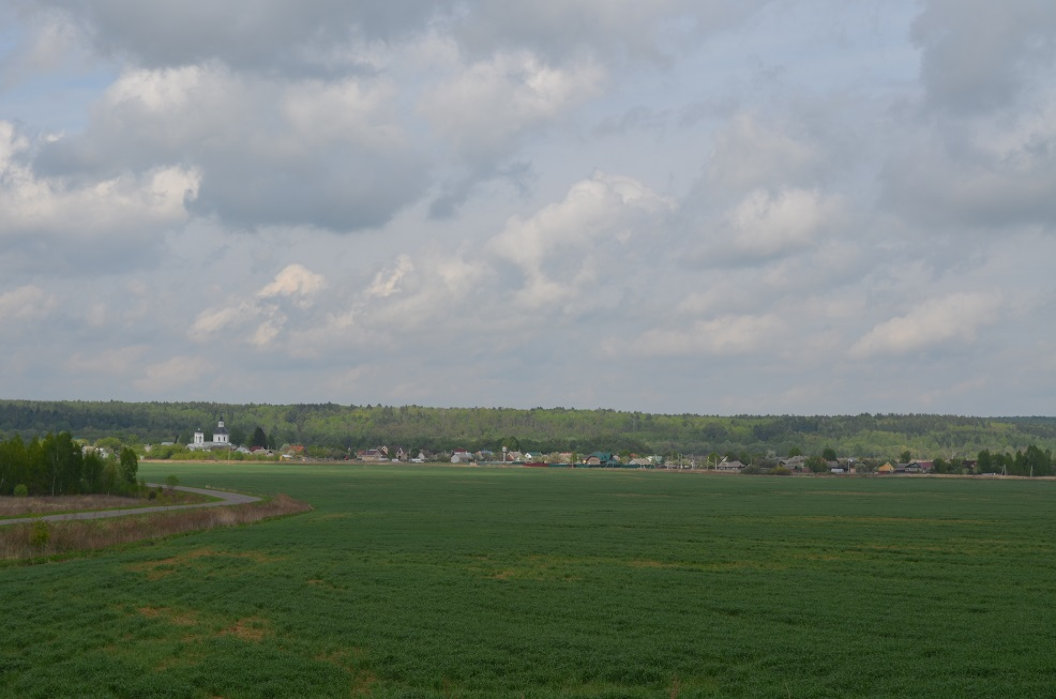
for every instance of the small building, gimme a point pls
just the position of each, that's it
(734, 466)
(461, 456)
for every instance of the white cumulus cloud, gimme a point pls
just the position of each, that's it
(295, 281)
(953, 318)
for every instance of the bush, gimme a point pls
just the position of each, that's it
(39, 534)
(21, 490)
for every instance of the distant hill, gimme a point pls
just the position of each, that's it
(343, 427)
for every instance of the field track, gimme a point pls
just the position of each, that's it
(225, 498)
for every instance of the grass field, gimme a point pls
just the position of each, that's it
(464, 582)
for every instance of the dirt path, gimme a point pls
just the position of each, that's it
(226, 498)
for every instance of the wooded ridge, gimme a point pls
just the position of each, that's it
(345, 427)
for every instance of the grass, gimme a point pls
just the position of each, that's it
(55, 539)
(51, 505)
(426, 581)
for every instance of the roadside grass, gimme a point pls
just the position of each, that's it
(12, 507)
(44, 539)
(458, 582)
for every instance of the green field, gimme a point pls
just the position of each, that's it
(465, 582)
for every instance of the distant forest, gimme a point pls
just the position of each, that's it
(350, 427)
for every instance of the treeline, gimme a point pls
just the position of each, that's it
(1032, 461)
(341, 428)
(57, 465)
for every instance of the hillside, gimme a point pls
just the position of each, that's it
(550, 429)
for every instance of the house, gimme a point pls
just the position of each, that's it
(734, 466)
(377, 455)
(886, 468)
(461, 456)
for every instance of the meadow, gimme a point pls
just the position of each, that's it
(471, 582)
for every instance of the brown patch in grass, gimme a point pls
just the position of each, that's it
(531, 568)
(251, 628)
(889, 520)
(326, 584)
(363, 682)
(175, 617)
(164, 567)
(18, 541)
(352, 661)
(652, 564)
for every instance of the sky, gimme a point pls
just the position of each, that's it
(673, 206)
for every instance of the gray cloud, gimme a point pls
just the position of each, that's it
(328, 154)
(980, 55)
(276, 34)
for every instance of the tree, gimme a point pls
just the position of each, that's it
(817, 464)
(14, 464)
(829, 454)
(62, 462)
(259, 439)
(237, 436)
(129, 465)
(1033, 462)
(905, 457)
(92, 472)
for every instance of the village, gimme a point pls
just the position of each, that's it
(827, 463)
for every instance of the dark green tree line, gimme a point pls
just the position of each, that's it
(57, 465)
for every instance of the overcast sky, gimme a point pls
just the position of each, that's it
(705, 206)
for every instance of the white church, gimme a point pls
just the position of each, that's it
(221, 440)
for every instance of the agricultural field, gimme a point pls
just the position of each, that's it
(465, 582)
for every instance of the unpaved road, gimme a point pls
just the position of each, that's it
(226, 498)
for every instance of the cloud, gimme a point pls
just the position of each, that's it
(484, 109)
(174, 373)
(45, 45)
(612, 28)
(764, 225)
(725, 335)
(387, 282)
(95, 209)
(114, 361)
(215, 320)
(294, 281)
(979, 55)
(937, 322)
(291, 36)
(750, 153)
(278, 35)
(25, 303)
(265, 151)
(978, 176)
(605, 209)
(260, 320)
